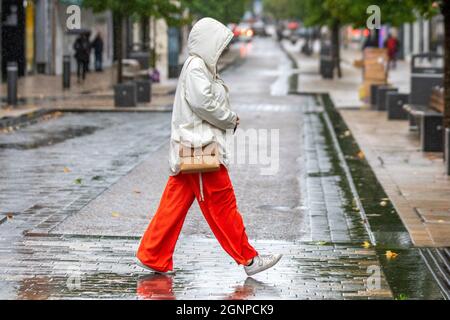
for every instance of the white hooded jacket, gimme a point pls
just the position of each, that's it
(201, 110)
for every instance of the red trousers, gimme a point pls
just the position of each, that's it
(218, 206)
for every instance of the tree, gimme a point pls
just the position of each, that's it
(226, 11)
(335, 13)
(170, 11)
(394, 12)
(127, 8)
(311, 13)
(283, 9)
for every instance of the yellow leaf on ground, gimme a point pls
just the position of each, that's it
(115, 214)
(391, 254)
(366, 244)
(361, 155)
(66, 170)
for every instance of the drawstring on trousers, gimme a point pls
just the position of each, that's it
(201, 186)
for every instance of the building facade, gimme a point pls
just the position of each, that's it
(422, 36)
(34, 34)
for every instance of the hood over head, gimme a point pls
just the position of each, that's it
(207, 40)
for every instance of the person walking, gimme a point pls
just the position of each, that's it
(97, 45)
(82, 50)
(392, 45)
(201, 118)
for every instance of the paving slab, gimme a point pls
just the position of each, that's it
(85, 268)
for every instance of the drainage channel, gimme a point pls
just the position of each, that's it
(410, 274)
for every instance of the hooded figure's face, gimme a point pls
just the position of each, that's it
(207, 40)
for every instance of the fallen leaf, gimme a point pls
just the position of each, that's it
(66, 170)
(391, 254)
(136, 191)
(347, 133)
(78, 181)
(115, 214)
(361, 155)
(9, 216)
(366, 244)
(402, 296)
(383, 203)
(96, 178)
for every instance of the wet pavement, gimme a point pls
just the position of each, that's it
(78, 191)
(67, 267)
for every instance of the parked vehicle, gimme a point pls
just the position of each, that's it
(246, 32)
(259, 27)
(235, 29)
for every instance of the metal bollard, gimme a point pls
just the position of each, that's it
(66, 72)
(12, 75)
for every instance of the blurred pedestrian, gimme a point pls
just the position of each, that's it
(82, 49)
(97, 45)
(201, 118)
(392, 46)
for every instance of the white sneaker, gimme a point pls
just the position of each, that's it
(140, 264)
(261, 263)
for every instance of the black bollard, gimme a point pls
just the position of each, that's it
(144, 90)
(66, 72)
(12, 75)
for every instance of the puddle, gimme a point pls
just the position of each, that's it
(287, 77)
(271, 207)
(51, 138)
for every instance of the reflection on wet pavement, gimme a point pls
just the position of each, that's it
(62, 244)
(155, 287)
(85, 268)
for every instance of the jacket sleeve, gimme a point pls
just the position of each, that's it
(203, 102)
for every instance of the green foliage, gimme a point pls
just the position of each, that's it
(156, 8)
(426, 8)
(317, 13)
(283, 9)
(225, 11)
(402, 296)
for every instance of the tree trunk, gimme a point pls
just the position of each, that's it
(153, 51)
(446, 13)
(336, 47)
(145, 25)
(118, 38)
